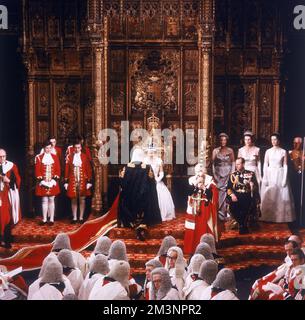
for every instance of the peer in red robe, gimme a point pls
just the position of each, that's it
(202, 211)
(47, 173)
(10, 212)
(78, 180)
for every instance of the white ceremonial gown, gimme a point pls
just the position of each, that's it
(165, 200)
(277, 203)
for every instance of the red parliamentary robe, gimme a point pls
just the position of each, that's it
(85, 176)
(47, 172)
(204, 222)
(9, 196)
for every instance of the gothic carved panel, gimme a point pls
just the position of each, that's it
(117, 102)
(87, 105)
(190, 15)
(242, 97)
(151, 12)
(266, 100)
(117, 63)
(219, 100)
(70, 13)
(42, 59)
(269, 16)
(57, 60)
(67, 97)
(43, 104)
(235, 64)
(221, 16)
(252, 22)
(237, 28)
(37, 20)
(220, 62)
(250, 61)
(114, 11)
(72, 61)
(191, 62)
(154, 77)
(43, 131)
(53, 25)
(190, 98)
(219, 108)
(170, 11)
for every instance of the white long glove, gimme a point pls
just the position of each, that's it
(265, 169)
(66, 186)
(160, 177)
(284, 182)
(88, 186)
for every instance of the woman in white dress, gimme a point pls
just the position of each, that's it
(223, 165)
(166, 204)
(251, 154)
(276, 198)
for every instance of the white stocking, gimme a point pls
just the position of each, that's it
(74, 208)
(44, 209)
(82, 204)
(51, 208)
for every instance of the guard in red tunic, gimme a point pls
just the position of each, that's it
(201, 213)
(47, 173)
(78, 180)
(55, 150)
(85, 149)
(10, 212)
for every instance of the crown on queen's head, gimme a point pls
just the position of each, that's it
(153, 122)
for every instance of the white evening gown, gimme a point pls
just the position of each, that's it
(165, 200)
(276, 198)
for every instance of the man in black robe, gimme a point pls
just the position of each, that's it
(138, 204)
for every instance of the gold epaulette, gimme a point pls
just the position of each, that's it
(229, 192)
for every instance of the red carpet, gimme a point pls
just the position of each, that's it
(31, 257)
(262, 247)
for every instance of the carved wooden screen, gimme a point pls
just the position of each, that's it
(153, 65)
(248, 48)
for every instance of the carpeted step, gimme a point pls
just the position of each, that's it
(29, 230)
(250, 252)
(150, 246)
(254, 263)
(124, 233)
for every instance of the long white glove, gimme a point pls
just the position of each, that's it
(88, 186)
(66, 186)
(265, 169)
(284, 182)
(160, 177)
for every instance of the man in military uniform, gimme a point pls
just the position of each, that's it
(138, 203)
(296, 167)
(242, 192)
